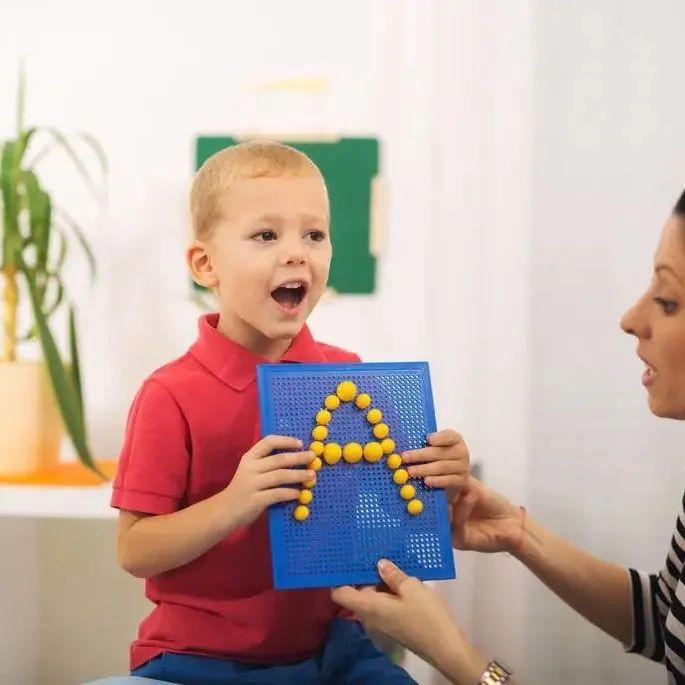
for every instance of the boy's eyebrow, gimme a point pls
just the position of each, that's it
(312, 218)
(276, 218)
(273, 218)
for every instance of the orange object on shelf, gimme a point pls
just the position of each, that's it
(71, 473)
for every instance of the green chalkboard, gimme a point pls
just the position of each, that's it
(349, 166)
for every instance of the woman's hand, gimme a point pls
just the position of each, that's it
(414, 615)
(485, 521)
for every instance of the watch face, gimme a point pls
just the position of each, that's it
(495, 674)
(500, 670)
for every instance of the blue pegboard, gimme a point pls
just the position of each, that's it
(357, 515)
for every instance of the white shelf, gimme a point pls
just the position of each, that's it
(43, 501)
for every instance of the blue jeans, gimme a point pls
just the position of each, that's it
(347, 658)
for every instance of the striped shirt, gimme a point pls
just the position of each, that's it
(659, 609)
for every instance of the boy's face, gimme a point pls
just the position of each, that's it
(268, 257)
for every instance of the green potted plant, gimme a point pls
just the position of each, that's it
(38, 399)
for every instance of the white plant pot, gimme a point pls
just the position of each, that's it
(31, 427)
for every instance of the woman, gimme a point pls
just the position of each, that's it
(646, 613)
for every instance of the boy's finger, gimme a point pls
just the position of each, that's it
(426, 454)
(271, 443)
(274, 479)
(437, 468)
(278, 495)
(445, 482)
(444, 438)
(422, 455)
(284, 460)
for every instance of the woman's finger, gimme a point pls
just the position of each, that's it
(461, 510)
(350, 598)
(392, 576)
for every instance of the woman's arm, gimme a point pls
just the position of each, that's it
(484, 521)
(415, 616)
(596, 589)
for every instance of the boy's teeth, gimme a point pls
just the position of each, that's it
(291, 285)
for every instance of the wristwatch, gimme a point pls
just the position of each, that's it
(495, 674)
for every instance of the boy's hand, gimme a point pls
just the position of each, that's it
(443, 464)
(262, 480)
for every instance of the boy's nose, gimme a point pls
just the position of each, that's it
(293, 254)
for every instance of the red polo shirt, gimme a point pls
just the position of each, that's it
(187, 430)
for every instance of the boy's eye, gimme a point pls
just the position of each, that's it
(669, 306)
(265, 236)
(316, 236)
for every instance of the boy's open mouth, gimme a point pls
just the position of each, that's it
(290, 295)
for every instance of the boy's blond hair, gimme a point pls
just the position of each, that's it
(251, 159)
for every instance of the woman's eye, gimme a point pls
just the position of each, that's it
(669, 306)
(316, 236)
(265, 236)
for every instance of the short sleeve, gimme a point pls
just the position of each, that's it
(648, 621)
(153, 465)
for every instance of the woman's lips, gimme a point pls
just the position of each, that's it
(649, 376)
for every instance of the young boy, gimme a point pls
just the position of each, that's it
(194, 479)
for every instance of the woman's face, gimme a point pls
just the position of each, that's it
(657, 320)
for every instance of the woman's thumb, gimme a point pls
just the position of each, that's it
(391, 575)
(462, 508)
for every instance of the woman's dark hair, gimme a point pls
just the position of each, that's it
(679, 208)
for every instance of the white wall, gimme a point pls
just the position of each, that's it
(146, 78)
(608, 164)
(532, 150)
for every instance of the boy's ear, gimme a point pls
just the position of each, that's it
(200, 265)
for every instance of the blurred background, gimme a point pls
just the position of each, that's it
(530, 152)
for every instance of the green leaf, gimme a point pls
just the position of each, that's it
(29, 335)
(59, 296)
(47, 309)
(63, 142)
(11, 238)
(63, 249)
(75, 361)
(59, 139)
(97, 149)
(80, 236)
(67, 396)
(23, 141)
(38, 205)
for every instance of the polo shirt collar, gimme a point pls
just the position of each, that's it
(236, 365)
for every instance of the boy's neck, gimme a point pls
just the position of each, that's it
(249, 338)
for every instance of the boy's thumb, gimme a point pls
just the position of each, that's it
(392, 576)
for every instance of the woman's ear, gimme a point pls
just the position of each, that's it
(200, 265)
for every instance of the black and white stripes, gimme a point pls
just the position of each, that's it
(659, 609)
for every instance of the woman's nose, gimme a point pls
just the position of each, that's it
(627, 322)
(634, 321)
